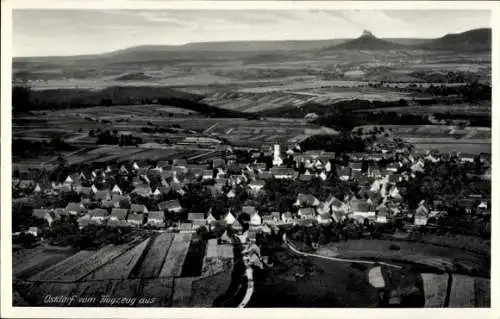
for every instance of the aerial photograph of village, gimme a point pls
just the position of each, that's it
(251, 158)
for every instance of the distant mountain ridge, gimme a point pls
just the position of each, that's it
(472, 40)
(367, 41)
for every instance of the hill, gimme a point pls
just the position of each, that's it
(367, 41)
(472, 40)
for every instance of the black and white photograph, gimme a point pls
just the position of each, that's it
(250, 158)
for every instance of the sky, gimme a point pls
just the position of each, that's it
(72, 32)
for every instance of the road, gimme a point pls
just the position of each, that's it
(358, 261)
(249, 292)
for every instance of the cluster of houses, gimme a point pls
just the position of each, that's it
(379, 199)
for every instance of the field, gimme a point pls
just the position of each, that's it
(155, 256)
(445, 138)
(435, 286)
(411, 252)
(318, 283)
(146, 269)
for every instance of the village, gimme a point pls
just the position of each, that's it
(366, 189)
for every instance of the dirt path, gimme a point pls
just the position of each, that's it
(358, 261)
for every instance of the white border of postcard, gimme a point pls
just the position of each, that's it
(7, 311)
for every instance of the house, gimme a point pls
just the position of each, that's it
(138, 209)
(283, 173)
(231, 193)
(156, 218)
(307, 213)
(218, 163)
(467, 158)
(392, 167)
(466, 204)
(257, 185)
(26, 183)
(255, 219)
(61, 212)
(207, 174)
(229, 218)
(118, 217)
(344, 173)
(157, 192)
(382, 213)
(356, 166)
(186, 227)
(196, 216)
(75, 208)
(135, 219)
(116, 190)
(421, 214)
(287, 218)
(304, 200)
(324, 218)
(45, 214)
(360, 210)
(338, 207)
(236, 226)
(143, 190)
(119, 201)
(86, 191)
(265, 176)
(99, 215)
(211, 219)
(250, 210)
(172, 206)
(269, 220)
(33, 231)
(102, 196)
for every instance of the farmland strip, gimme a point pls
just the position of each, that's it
(96, 260)
(156, 256)
(54, 271)
(462, 291)
(176, 256)
(435, 287)
(122, 266)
